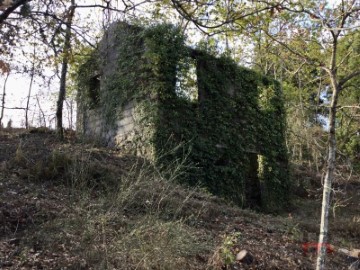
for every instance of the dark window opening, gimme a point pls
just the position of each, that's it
(94, 91)
(253, 185)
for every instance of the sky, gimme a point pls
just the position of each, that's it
(16, 97)
(43, 95)
(17, 86)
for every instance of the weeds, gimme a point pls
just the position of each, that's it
(133, 218)
(20, 158)
(292, 229)
(87, 208)
(224, 255)
(155, 244)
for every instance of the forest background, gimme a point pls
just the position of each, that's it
(311, 47)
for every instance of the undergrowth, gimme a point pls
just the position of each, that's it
(76, 206)
(135, 217)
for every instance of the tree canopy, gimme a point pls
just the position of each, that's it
(312, 47)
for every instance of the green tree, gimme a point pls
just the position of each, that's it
(310, 26)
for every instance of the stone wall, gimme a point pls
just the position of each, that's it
(92, 122)
(232, 135)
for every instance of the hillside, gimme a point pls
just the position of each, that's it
(73, 205)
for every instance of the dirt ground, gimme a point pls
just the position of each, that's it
(46, 222)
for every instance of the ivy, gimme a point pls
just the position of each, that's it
(232, 135)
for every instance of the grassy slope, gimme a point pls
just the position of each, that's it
(76, 206)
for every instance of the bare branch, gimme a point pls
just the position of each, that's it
(229, 20)
(13, 108)
(11, 9)
(305, 58)
(349, 107)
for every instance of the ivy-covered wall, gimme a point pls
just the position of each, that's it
(132, 94)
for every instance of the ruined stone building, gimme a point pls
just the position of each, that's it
(144, 92)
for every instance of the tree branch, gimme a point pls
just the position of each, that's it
(349, 107)
(293, 51)
(349, 77)
(231, 18)
(11, 9)
(14, 108)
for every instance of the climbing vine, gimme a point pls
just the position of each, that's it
(233, 134)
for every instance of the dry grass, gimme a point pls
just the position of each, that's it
(75, 206)
(130, 217)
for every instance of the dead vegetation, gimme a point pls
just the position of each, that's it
(76, 206)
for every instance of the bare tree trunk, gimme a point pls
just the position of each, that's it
(69, 107)
(331, 160)
(71, 113)
(30, 88)
(28, 97)
(320, 263)
(64, 68)
(3, 99)
(41, 111)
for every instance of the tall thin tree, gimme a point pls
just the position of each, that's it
(32, 75)
(64, 68)
(3, 98)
